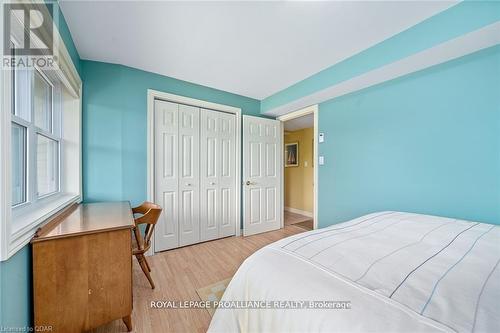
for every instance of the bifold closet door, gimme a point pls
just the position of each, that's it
(195, 174)
(227, 175)
(217, 175)
(166, 173)
(189, 175)
(177, 183)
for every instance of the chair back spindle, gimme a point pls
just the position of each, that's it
(149, 215)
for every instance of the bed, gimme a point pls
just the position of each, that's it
(389, 271)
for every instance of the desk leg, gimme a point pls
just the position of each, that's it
(128, 322)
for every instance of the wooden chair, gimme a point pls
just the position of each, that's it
(149, 215)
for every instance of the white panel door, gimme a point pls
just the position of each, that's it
(166, 174)
(227, 175)
(209, 175)
(189, 174)
(262, 168)
(217, 175)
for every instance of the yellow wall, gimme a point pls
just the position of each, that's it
(299, 180)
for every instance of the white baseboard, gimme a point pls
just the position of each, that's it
(298, 211)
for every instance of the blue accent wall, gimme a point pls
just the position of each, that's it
(15, 294)
(114, 126)
(428, 143)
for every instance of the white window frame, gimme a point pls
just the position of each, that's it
(55, 134)
(32, 131)
(18, 224)
(24, 152)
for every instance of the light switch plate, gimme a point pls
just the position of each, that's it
(321, 137)
(321, 160)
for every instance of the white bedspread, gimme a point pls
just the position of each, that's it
(400, 271)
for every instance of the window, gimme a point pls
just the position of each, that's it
(18, 146)
(46, 165)
(42, 102)
(18, 142)
(41, 109)
(35, 138)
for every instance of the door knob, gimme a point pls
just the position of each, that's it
(188, 184)
(212, 183)
(249, 183)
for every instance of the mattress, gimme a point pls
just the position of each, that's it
(396, 272)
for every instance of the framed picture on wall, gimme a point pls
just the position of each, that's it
(291, 154)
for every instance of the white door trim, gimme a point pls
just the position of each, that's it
(155, 94)
(296, 114)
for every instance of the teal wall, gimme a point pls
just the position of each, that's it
(114, 126)
(15, 294)
(426, 143)
(458, 20)
(15, 273)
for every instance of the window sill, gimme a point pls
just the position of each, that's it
(27, 219)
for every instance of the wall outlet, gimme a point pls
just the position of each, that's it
(321, 160)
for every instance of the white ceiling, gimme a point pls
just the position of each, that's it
(253, 49)
(296, 124)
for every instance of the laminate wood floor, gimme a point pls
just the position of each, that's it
(178, 273)
(294, 218)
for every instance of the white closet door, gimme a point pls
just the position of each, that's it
(166, 174)
(189, 174)
(195, 174)
(227, 175)
(209, 175)
(218, 175)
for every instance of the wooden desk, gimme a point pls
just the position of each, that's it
(82, 268)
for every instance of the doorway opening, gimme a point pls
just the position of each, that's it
(299, 165)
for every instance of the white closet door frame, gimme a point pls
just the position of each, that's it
(154, 94)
